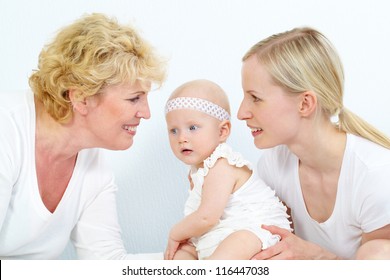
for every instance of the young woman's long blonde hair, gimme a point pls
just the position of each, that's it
(303, 59)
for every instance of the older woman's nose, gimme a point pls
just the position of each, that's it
(144, 111)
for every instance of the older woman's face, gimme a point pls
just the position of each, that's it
(114, 118)
(269, 111)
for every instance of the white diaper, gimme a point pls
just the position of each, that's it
(208, 243)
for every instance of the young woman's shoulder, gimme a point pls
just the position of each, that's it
(366, 152)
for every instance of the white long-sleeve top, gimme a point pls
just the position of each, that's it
(86, 214)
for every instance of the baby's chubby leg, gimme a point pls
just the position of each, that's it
(240, 245)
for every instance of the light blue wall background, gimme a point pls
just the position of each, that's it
(202, 39)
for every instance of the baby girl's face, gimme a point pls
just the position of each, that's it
(193, 135)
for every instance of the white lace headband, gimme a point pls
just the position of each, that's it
(198, 104)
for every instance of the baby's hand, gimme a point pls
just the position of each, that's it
(172, 247)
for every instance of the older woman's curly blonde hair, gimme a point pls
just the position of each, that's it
(92, 52)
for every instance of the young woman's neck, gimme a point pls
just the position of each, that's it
(320, 148)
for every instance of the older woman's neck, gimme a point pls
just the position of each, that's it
(53, 139)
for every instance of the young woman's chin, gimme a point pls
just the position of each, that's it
(263, 145)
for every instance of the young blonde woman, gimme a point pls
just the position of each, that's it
(330, 167)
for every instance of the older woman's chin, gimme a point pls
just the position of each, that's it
(119, 145)
(127, 146)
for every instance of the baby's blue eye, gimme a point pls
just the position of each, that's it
(173, 130)
(193, 127)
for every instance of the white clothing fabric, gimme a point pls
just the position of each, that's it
(252, 205)
(86, 214)
(363, 194)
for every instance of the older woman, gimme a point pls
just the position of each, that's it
(90, 91)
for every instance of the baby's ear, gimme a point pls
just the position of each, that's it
(224, 130)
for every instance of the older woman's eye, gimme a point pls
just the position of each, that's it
(133, 100)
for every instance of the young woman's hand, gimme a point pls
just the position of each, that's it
(291, 247)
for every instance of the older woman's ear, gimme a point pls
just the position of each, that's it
(78, 102)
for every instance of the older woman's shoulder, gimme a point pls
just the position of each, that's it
(93, 169)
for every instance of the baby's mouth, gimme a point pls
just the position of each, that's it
(186, 151)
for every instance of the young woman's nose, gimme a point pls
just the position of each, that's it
(243, 112)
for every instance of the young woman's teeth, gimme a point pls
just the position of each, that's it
(130, 128)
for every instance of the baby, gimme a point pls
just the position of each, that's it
(227, 201)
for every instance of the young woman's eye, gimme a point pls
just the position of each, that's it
(255, 98)
(193, 127)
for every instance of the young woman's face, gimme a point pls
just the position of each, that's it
(270, 112)
(193, 135)
(115, 114)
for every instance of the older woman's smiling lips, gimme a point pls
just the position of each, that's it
(131, 129)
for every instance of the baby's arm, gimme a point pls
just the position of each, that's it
(218, 185)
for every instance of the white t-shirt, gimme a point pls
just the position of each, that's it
(86, 213)
(363, 194)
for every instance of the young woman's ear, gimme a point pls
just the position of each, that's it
(78, 102)
(224, 130)
(307, 104)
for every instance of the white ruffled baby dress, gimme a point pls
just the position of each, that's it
(248, 208)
